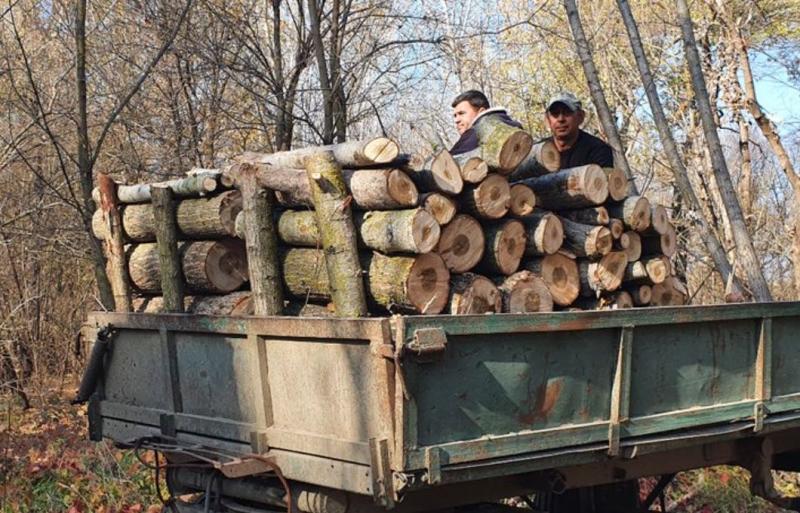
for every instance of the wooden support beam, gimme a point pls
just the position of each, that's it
(169, 259)
(114, 243)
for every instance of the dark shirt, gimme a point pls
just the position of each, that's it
(469, 139)
(587, 149)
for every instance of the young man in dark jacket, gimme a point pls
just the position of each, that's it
(564, 116)
(469, 108)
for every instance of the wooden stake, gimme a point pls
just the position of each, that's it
(115, 249)
(167, 240)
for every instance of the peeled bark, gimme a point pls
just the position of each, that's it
(489, 199)
(208, 266)
(578, 187)
(591, 215)
(640, 294)
(604, 275)
(440, 173)
(634, 212)
(586, 240)
(617, 183)
(461, 244)
(631, 243)
(473, 294)
(524, 292)
(502, 146)
(473, 168)
(666, 244)
(505, 245)
(523, 200)
(543, 158)
(560, 274)
(671, 292)
(198, 184)
(442, 208)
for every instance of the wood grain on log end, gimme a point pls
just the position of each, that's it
(524, 292)
(381, 150)
(461, 244)
(473, 294)
(442, 208)
(561, 275)
(428, 284)
(617, 183)
(402, 189)
(523, 200)
(514, 151)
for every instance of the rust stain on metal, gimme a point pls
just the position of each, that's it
(546, 397)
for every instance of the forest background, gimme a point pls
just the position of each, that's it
(147, 89)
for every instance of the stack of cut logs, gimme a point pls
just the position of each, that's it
(358, 228)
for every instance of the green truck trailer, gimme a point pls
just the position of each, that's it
(422, 413)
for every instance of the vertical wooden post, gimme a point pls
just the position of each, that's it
(115, 245)
(261, 241)
(169, 260)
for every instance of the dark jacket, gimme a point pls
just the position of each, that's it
(588, 149)
(469, 139)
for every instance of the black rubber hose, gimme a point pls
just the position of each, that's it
(94, 369)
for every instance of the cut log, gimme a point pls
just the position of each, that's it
(560, 274)
(591, 215)
(523, 200)
(650, 271)
(442, 208)
(505, 245)
(169, 260)
(208, 266)
(502, 146)
(612, 301)
(418, 284)
(299, 228)
(337, 234)
(201, 183)
(489, 199)
(578, 187)
(640, 294)
(235, 303)
(472, 166)
(472, 293)
(617, 183)
(542, 159)
(666, 244)
(524, 292)
(671, 292)
(201, 218)
(461, 244)
(604, 275)
(399, 231)
(659, 219)
(616, 227)
(631, 243)
(586, 240)
(440, 173)
(544, 232)
(634, 212)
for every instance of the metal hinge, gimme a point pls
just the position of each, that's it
(427, 341)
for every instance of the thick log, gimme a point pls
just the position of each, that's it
(489, 199)
(473, 167)
(542, 159)
(666, 244)
(524, 292)
(640, 294)
(616, 227)
(591, 215)
(586, 240)
(472, 293)
(523, 200)
(442, 208)
(167, 240)
(631, 243)
(337, 234)
(617, 183)
(578, 187)
(634, 212)
(671, 292)
(208, 266)
(461, 244)
(201, 183)
(560, 274)
(649, 271)
(604, 275)
(201, 218)
(505, 245)
(502, 146)
(418, 284)
(235, 303)
(117, 271)
(544, 232)
(440, 173)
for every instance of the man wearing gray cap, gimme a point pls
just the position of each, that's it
(564, 116)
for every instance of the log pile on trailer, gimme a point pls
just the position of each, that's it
(360, 229)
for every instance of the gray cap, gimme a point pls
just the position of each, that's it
(567, 98)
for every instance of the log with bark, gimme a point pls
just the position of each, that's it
(200, 183)
(604, 275)
(167, 242)
(235, 303)
(573, 188)
(440, 173)
(670, 292)
(208, 266)
(634, 212)
(505, 245)
(544, 232)
(665, 244)
(441, 207)
(617, 183)
(586, 240)
(523, 200)
(473, 167)
(659, 219)
(649, 271)
(560, 274)
(472, 293)
(640, 294)
(543, 158)
(116, 267)
(524, 292)
(489, 199)
(502, 146)
(631, 243)
(461, 244)
(591, 215)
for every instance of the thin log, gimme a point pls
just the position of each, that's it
(634, 212)
(543, 158)
(631, 243)
(666, 244)
(115, 250)
(640, 294)
(461, 244)
(442, 208)
(524, 292)
(650, 271)
(167, 240)
(337, 233)
(200, 183)
(489, 199)
(523, 200)
(440, 173)
(617, 183)
(502, 146)
(591, 215)
(544, 232)
(573, 188)
(604, 275)
(586, 240)
(472, 167)
(560, 274)
(472, 293)
(505, 245)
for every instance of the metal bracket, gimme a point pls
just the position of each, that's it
(428, 341)
(258, 442)
(168, 426)
(382, 477)
(760, 412)
(433, 463)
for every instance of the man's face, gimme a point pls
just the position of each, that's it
(563, 121)
(464, 114)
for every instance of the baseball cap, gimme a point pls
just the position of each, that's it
(567, 98)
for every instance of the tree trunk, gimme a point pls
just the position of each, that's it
(544, 232)
(591, 215)
(543, 158)
(560, 274)
(201, 183)
(505, 245)
(523, 200)
(442, 208)
(489, 199)
(115, 250)
(524, 292)
(169, 259)
(472, 166)
(472, 293)
(586, 240)
(208, 266)
(604, 275)
(631, 243)
(440, 173)
(617, 183)
(337, 234)
(502, 146)
(579, 187)
(461, 244)
(634, 212)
